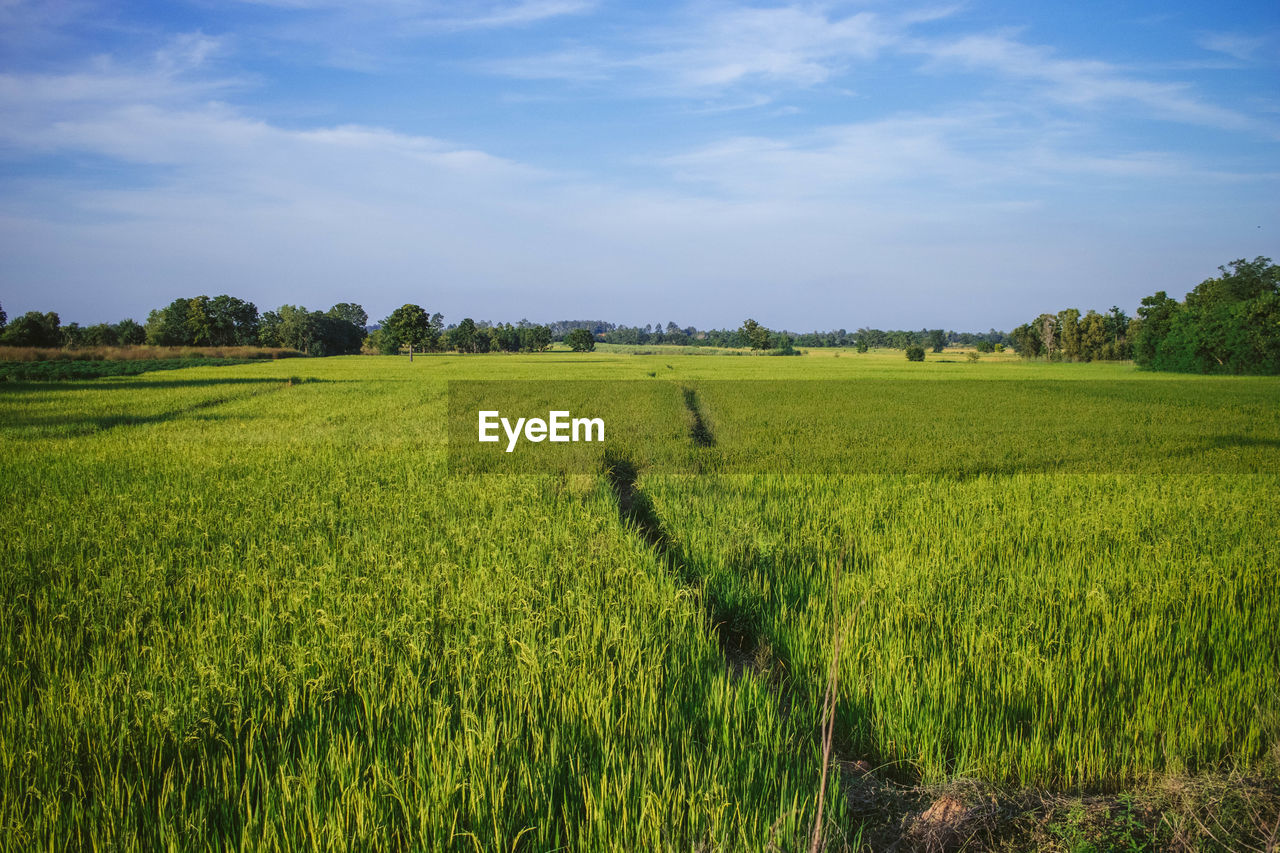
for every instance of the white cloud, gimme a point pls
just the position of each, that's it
(1236, 45)
(428, 15)
(505, 15)
(713, 48)
(1080, 82)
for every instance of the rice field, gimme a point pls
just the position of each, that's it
(255, 606)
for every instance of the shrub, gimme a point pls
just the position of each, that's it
(580, 340)
(915, 353)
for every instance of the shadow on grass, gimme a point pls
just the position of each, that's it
(109, 383)
(58, 426)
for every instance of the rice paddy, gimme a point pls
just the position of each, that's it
(256, 606)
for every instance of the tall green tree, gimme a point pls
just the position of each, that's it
(1069, 333)
(757, 336)
(937, 340)
(1227, 324)
(130, 332)
(1026, 340)
(1092, 341)
(408, 325)
(100, 335)
(1047, 326)
(200, 321)
(269, 329)
(33, 329)
(232, 322)
(580, 340)
(463, 336)
(535, 338)
(351, 313)
(297, 329)
(167, 327)
(1155, 315)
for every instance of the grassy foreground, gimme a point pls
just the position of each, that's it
(248, 606)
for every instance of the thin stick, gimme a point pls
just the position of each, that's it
(829, 709)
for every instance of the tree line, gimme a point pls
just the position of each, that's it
(1069, 336)
(691, 336)
(1226, 324)
(202, 321)
(411, 326)
(223, 321)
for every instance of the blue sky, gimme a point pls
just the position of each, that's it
(813, 165)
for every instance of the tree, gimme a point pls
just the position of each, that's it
(335, 335)
(1026, 340)
(269, 329)
(352, 313)
(580, 340)
(1155, 316)
(937, 340)
(130, 333)
(463, 336)
(33, 329)
(167, 327)
(1093, 342)
(297, 329)
(535, 338)
(100, 335)
(915, 353)
(506, 338)
(408, 325)
(1047, 325)
(757, 336)
(72, 336)
(199, 324)
(232, 322)
(1069, 330)
(1228, 324)
(4, 319)
(1118, 332)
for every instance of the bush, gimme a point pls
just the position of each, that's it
(580, 340)
(915, 353)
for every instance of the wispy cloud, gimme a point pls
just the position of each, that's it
(426, 15)
(710, 49)
(1236, 45)
(1081, 82)
(505, 15)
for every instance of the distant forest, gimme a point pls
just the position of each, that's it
(1228, 324)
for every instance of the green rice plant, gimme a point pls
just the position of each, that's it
(251, 606)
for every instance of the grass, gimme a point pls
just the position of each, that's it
(251, 606)
(62, 370)
(141, 353)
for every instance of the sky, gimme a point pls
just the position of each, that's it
(814, 165)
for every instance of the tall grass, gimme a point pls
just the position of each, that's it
(137, 353)
(242, 610)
